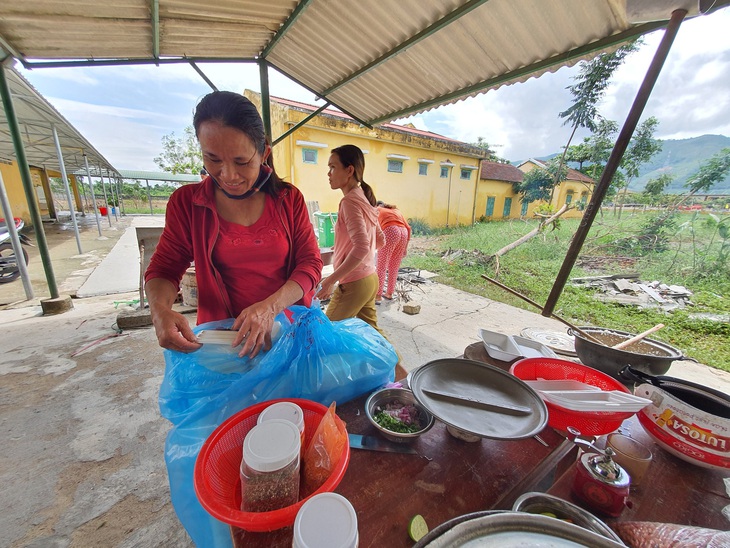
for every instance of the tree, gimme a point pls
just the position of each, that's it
(579, 154)
(180, 155)
(601, 143)
(592, 81)
(655, 188)
(641, 149)
(490, 155)
(710, 173)
(538, 183)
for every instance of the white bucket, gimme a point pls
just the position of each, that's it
(189, 287)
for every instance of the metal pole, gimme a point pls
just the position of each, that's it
(265, 100)
(106, 200)
(93, 196)
(112, 188)
(64, 176)
(149, 198)
(120, 188)
(85, 200)
(35, 214)
(14, 240)
(632, 120)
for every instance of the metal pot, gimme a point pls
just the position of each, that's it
(689, 420)
(649, 356)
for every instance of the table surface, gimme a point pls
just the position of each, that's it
(450, 477)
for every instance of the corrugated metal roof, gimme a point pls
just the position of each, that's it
(377, 60)
(36, 118)
(158, 176)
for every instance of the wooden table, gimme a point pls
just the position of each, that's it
(450, 477)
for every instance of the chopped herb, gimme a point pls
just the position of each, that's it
(396, 417)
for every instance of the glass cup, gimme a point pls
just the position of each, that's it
(633, 456)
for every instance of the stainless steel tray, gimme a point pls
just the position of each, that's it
(480, 381)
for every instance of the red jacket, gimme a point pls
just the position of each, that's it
(191, 230)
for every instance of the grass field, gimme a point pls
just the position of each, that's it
(688, 251)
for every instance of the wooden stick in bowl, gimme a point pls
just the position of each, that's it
(632, 340)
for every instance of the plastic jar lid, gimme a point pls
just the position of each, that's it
(326, 520)
(284, 410)
(271, 445)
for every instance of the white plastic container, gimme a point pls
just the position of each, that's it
(287, 411)
(270, 466)
(327, 520)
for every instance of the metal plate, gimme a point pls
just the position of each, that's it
(483, 382)
(562, 343)
(513, 529)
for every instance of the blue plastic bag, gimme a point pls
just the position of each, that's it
(313, 358)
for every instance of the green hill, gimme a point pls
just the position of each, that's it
(681, 158)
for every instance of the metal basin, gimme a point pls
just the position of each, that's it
(647, 355)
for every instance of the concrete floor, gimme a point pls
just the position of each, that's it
(83, 459)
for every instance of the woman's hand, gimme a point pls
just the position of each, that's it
(173, 331)
(254, 326)
(326, 288)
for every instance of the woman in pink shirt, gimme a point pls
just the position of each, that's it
(357, 236)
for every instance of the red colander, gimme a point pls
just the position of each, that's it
(589, 423)
(217, 469)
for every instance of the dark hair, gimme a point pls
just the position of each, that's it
(203, 172)
(381, 203)
(236, 111)
(350, 155)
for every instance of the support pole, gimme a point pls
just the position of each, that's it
(614, 160)
(149, 196)
(265, 99)
(66, 187)
(106, 200)
(93, 195)
(15, 240)
(35, 214)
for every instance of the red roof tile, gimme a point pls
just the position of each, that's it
(496, 171)
(339, 114)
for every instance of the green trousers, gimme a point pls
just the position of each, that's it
(355, 300)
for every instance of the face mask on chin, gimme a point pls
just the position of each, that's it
(264, 175)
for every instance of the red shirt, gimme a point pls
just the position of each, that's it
(252, 259)
(191, 233)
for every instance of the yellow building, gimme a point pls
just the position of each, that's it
(428, 176)
(41, 187)
(496, 198)
(575, 190)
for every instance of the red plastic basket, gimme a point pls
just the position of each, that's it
(588, 423)
(217, 469)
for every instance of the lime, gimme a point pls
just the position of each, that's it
(549, 514)
(417, 528)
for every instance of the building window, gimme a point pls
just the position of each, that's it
(395, 166)
(423, 169)
(507, 207)
(568, 198)
(524, 208)
(466, 174)
(444, 172)
(490, 207)
(309, 155)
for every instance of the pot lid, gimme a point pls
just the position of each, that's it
(512, 529)
(478, 398)
(562, 343)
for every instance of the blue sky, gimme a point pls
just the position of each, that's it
(125, 111)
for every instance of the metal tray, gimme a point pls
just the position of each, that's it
(510, 530)
(483, 382)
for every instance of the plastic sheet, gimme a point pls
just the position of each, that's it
(313, 358)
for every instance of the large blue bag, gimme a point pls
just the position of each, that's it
(313, 358)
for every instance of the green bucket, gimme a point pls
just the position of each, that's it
(325, 228)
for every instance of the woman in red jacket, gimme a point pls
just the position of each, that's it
(397, 235)
(246, 230)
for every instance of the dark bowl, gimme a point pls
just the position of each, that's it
(647, 355)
